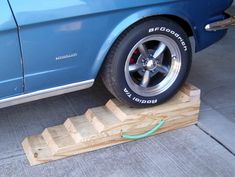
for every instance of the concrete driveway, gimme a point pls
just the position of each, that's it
(213, 72)
(206, 150)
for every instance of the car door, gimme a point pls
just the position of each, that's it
(11, 73)
(54, 42)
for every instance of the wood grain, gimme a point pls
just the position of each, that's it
(104, 126)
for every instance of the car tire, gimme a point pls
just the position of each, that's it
(148, 63)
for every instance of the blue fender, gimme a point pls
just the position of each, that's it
(131, 20)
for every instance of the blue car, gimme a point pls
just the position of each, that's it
(140, 48)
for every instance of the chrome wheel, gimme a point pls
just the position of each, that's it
(153, 65)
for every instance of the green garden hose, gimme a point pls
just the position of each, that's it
(150, 132)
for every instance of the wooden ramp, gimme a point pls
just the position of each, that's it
(104, 126)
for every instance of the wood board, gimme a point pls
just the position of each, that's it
(104, 126)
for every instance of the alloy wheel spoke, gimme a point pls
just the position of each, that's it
(161, 48)
(135, 67)
(162, 69)
(146, 79)
(143, 50)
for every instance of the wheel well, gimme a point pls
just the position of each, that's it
(183, 23)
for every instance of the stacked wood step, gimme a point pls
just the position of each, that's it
(104, 126)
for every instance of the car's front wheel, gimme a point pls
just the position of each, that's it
(148, 63)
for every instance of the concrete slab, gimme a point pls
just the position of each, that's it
(228, 112)
(213, 71)
(220, 96)
(185, 152)
(205, 106)
(218, 126)
(214, 67)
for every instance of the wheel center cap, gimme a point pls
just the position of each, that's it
(150, 64)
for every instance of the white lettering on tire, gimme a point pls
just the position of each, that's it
(138, 100)
(172, 32)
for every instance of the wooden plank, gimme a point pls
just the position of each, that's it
(101, 118)
(104, 126)
(58, 139)
(126, 114)
(37, 150)
(102, 141)
(44, 155)
(191, 90)
(81, 129)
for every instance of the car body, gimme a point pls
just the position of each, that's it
(53, 47)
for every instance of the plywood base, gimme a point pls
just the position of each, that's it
(104, 126)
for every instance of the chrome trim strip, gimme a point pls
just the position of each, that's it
(220, 25)
(45, 93)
